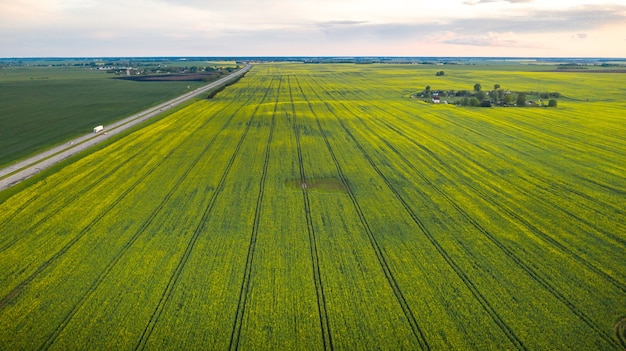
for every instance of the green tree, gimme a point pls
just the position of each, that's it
(508, 99)
(552, 103)
(474, 102)
(477, 87)
(500, 94)
(496, 86)
(480, 95)
(521, 99)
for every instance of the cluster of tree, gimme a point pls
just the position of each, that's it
(440, 73)
(164, 69)
(571, 66)
(497, 96)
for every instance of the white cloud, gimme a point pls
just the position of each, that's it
(280, 27)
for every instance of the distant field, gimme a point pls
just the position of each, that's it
(43, 106)
(319, 207)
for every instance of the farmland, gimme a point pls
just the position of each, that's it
(43, 105)
(319, 207)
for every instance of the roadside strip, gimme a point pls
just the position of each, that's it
(25, 169)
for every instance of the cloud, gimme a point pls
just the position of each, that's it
(156, 27)
(537, 21)
(475, 30)
(477, 2)
(340, 23)
(490, 39)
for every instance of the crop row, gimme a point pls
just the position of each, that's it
(318, 207)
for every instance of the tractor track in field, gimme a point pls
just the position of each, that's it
(70, 199)
(245, 283)
(20, 287)
(557, 185)
(317, 275)
(455, 267)
(547, 238)
(620, 332)
(520, 140)
(60, 205)
(165, 296)
(13, 174)
(17, 211)
(11, 216)
(415, 328)
(509, 253)
(59, 329)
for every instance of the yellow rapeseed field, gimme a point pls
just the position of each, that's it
(321, 207)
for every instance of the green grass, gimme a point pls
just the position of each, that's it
(319, 207)
(44, 106)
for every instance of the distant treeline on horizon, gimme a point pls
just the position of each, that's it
(327, 59)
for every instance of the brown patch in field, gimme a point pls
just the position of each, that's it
(326, 185)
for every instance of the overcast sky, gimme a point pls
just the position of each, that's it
(545, 28)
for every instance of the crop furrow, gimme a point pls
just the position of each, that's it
(20, 287)
(141, 344)
(245, 284)
(518, 139)
(612, 236)
(52, 338)
(509, 253)
(417, 332)
(88, 181)
(10, 217)
(457, 269)
(538, 177)
(17, 211)
(602, 185)
(317, 275)
(80, 191)
(531, 227)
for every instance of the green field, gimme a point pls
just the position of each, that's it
(42, 106)
(319, 207)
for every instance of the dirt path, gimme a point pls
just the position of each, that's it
(25, 169)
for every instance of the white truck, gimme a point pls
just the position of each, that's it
(98, 129)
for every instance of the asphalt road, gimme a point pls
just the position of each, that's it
(27, 168)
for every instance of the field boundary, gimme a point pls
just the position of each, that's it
(13, 174)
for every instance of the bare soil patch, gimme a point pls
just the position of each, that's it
(327, 185)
